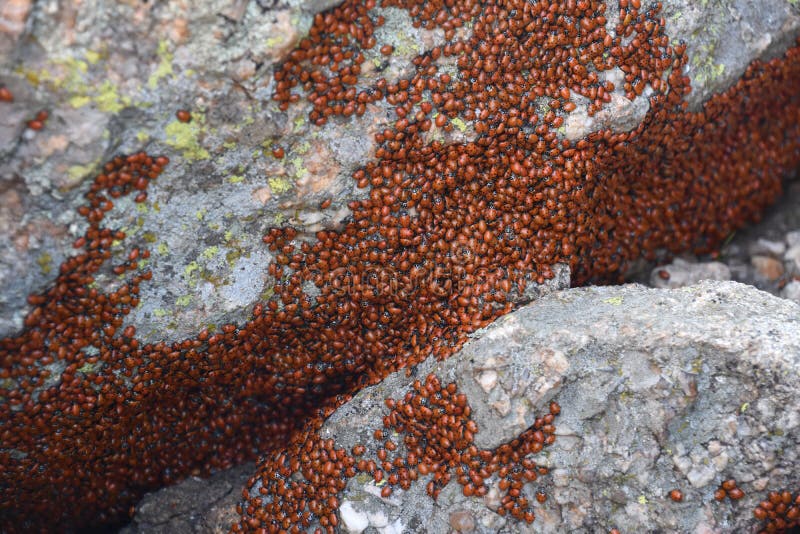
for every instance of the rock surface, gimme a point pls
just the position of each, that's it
(113, 74)
(659, 390)
(111, 77)
(193, 506)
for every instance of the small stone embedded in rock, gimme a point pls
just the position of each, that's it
(462, 521)
(488, 380)
(355, 522)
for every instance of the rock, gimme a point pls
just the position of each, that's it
(767, 247)
(681, 273)
(767, 267)
(207, 365)
(195, 506)
(792, 291)
(216, 58)
(793, 239)
(702, 379)
(792, 260)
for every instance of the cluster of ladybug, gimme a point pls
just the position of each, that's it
(90, 417)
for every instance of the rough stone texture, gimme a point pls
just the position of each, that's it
(659, 389)
(193, 506)
(113, 74)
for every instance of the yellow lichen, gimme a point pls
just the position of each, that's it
(279, 185)
(210, 252)
(44, 261)
(184, 136)
(164, 66)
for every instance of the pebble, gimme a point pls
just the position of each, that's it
(792, 258)
(462, 521)
(793, 238)
(767, 267)
(354, 521)
(767, 247)
(701, 475)
(792, 291)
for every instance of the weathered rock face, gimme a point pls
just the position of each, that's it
(193, 506)
(413, 171)
(658, 389)
(216, 59)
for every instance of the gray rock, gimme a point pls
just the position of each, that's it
(792, 291)
(681, 273)
(792, 260)
(113, 74)
(767, 247)
(793, 238)
(659, 389)
(724, 35)
(195, 506)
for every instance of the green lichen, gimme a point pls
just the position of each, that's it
(78, 101)
(184, 136)
(201, 214)
(141, 207)
(279, 185)
(164, 67)
(108, 99)
(706, 69)
(149, 237)
(276, 40)
(160, 312)
(45, 260)
(183, 301)
(162, 248)
(614, 301)
(232, 256)
(142, 136)
(210, 252)
(92, 57)
(190, 269)
(460, 124)
(89, 368)
(76, 173)
(300, 170)
(236, 179)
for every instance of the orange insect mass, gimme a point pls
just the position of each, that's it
(93, 417)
